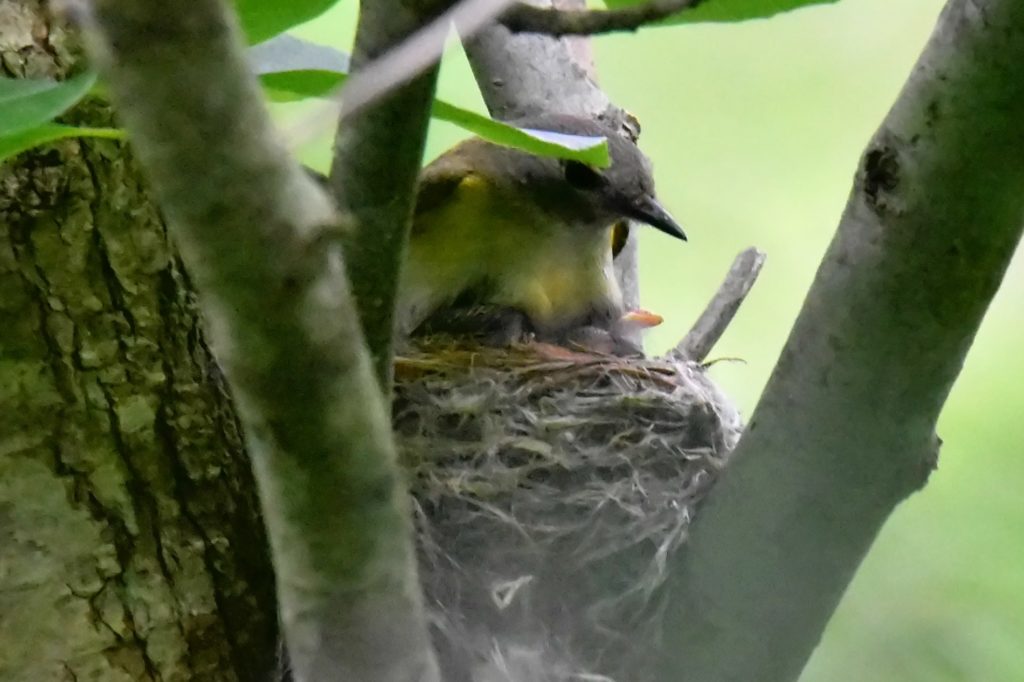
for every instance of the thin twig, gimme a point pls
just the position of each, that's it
(719, 312)
(525, 18)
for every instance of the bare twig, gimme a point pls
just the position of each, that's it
(720, 310)
(524, 18)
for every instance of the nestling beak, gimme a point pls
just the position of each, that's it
(650, 212)
(643, 319)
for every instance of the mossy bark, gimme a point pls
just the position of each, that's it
(131, 545)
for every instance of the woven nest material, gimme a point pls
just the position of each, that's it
(552, 488)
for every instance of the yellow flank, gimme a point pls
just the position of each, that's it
(561, 281)
(535, 300)
(619, 235)
(449, 236)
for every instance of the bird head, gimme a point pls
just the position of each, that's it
(625, 189)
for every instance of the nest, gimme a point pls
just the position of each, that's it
(552, 488)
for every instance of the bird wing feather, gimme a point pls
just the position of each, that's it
(441, 179)
(438, 188)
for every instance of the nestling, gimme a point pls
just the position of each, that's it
(500, 228)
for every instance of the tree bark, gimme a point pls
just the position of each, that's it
(845, 429)
(130, 534)
(261, 240)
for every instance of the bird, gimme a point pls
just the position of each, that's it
(504, 239)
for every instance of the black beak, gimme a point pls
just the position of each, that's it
(650, 212)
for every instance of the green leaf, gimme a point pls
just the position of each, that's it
(292, 69)
(49, 132)
(291, 86)
(263, 19)
(26, 104)
(728, 10)
(590, 150)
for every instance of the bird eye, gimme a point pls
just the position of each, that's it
(582, 176)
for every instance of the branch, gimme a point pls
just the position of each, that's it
(285, 331)
(845, 428)
(527, 74)
(377, 155)
(525, 18)
(720, 310)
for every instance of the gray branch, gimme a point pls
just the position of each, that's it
(720, 310)
(377, 155)
(524, 75)
(285, 331)
(845, 429)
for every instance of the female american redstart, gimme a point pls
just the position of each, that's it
(496, 228)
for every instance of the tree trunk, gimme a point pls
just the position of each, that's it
(131, 545)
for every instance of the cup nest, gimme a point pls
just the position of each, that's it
(552, 489)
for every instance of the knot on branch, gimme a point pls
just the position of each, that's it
(881, 175)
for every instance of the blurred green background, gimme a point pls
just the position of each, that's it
(756, 130)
